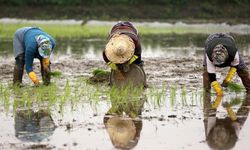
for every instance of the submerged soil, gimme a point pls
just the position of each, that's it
(84, 128)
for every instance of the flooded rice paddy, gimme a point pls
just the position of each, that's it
(172, 113)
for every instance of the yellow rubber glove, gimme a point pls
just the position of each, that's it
(112, 66)
(217, 102)
(134, 57)
(217, 88)
(45, 62)
(33, 77)
(230, 74)
(231, 113)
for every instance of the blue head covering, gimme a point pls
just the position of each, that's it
(44, 46)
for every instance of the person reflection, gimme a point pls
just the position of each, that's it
(223, 133)
(123, 123)
(33, 126)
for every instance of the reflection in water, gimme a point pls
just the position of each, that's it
(30, 124)
(170, 45)
(124, 132)
(33, 126)
(123, 122)
(222, 133)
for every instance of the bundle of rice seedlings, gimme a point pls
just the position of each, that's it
(56, 73)
(235, 87)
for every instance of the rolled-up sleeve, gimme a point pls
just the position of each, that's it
(236, 60)
(210, 66)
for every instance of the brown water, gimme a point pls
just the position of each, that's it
(171, 120)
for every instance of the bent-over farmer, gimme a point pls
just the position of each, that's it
(123, 46)
(221, 51)
(30, 43)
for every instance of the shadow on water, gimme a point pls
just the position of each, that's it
(167, 45)
(222, 132)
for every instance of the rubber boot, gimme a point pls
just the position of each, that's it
(245, 78)
(45, 74)
(18, 70)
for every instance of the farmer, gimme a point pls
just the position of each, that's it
(123, 46)
(223, 132)
(30, 43)
(221, 51)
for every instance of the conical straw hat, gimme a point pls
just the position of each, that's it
(120, 48)
(121, 131)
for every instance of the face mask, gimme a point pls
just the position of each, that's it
(44, 46)
(219, 55)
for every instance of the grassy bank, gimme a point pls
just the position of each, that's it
(100, 31)
(77, 31)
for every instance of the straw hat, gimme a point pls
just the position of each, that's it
(120, 48)
(121, 131)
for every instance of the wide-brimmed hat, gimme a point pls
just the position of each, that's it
(122, 131)
(219, 55)
(44, 46)
(120, 48)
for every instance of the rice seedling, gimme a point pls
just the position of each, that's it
(233, 102)
(126, 99)
(65, 96)
(173, 95)
(56, 74)
(235, 87)
(99, 75)
(183, 95)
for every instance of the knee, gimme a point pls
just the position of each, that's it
(20, 59)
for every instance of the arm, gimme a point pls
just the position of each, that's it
(234, 65)
(29, 58)
(212, 77)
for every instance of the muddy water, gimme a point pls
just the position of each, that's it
(175, 114)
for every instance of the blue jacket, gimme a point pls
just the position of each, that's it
(31, 46)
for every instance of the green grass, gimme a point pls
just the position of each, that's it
(58, 31)
(87, 31)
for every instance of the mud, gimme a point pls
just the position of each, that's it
(171, 71)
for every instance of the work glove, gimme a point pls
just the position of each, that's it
(229, 77)
(34, 78)
(217, 102)
(134, 57)
(112, 66)
(231, 113)
(217, 88)
(45, 63)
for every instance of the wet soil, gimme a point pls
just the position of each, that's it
(172, 71)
